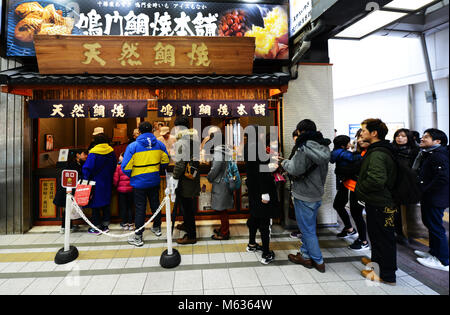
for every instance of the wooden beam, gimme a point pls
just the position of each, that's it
(17, 91)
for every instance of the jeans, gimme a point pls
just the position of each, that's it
(140, 199)
(306, 214)
(432, 219)
(126, 201)
(97, 219)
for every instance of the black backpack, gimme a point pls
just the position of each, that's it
(406, 189)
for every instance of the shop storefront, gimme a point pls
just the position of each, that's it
(65, 102)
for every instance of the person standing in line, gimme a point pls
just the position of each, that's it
(168, 140)
(309, 168)
(350, 175)
(343, 157)
(125, 196)
(186, 171)
(142, 163)
(405, 150)
(374, 187)
(99, 167)
(432, 165)
(75, 162)
(262, 194)
(297, 234)
(221, 196)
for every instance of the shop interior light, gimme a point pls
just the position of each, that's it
(370, 24)
(411, 5)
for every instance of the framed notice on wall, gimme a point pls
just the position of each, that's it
(204, 200)
(47, 191)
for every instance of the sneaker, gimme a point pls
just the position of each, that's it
(422, 254)
(74, 228)
(254, 248)
(156, 230)
(359, 245)
(93, 231)
(268, 258)
(432, 262)
(345, 233)
(136, 240)
(62, 230)
(296, 234)
(124, 226)
(104, 228)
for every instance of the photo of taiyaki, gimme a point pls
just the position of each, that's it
(39, 20)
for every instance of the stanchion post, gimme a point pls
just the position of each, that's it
(170, 258)
(68, 253)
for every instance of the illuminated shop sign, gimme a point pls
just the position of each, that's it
(267, 22)
(300, 15)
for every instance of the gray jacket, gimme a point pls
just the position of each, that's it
(310, 189)
(221, 196)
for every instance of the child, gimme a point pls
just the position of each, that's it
(126, 200)
(342, 157)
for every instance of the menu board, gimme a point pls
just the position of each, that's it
(268, 23)
(47, 189)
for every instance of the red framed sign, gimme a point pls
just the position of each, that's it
(69, 179)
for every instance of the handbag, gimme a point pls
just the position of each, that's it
(279, 178)
(232, 177)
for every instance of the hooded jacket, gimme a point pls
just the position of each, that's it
(99, 166)
(143, 160)
(187, 148)
(312, 149)
(377, 176)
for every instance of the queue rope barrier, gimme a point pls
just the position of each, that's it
(83, 216)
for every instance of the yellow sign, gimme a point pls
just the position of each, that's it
(47, 189)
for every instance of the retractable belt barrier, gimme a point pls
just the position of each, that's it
(169, 258)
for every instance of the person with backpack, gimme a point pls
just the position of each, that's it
(343, 157)
(308, 168)
(99, 167)
(262, 194)
(142, 162)
(221, 196)
(186, 171)
(125, 196)
(405, 151)
(432, 165)
(375, 185)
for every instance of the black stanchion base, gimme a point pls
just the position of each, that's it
(63, 257)
(170, 261)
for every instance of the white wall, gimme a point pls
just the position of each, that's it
(371, 79)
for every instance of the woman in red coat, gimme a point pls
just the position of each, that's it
(126, 199)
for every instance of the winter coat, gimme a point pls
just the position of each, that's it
(377, 176)
(259, 183)
(60, 195)
(185, 149)
(434, 177)
(121, 181)
(343, 158)
(405, 154)
(143, 160)
(99, 166)
(313, 150)
(221, 197)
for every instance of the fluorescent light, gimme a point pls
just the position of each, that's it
(407, 4)
(370, 23)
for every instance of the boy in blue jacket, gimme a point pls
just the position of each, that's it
(142, 162)
(343, 157)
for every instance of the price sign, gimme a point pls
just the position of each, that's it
(69, 179)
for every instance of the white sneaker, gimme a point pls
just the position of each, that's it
(432, 262)
(421, 254)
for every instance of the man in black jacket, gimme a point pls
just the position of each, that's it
(432, 166)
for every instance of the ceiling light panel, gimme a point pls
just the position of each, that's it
(407, 4)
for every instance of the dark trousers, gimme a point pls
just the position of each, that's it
(380, 226)
(188, 210)
(340, 201)
(356, 211)
(101, 220)
(126, 202)
(432, 219)
(263, 224)
(140, 199)
(224, 222)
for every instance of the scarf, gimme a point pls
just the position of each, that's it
(419, 159)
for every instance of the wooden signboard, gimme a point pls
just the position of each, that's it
(58, 54)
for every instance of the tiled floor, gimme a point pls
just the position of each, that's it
(111, 266)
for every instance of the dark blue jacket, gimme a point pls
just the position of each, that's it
(343, 158)
(434, 177)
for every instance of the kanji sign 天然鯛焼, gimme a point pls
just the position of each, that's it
(144, 55)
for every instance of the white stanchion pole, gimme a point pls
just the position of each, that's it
(67, 220)
(168, 226)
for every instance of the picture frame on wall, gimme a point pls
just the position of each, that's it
(49, 142)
